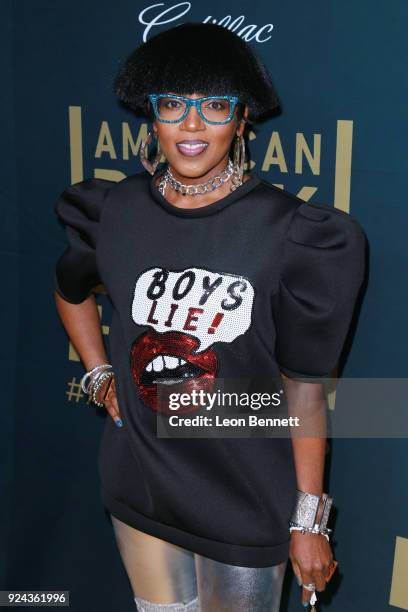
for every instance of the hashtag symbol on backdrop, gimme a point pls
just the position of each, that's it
(75, 391)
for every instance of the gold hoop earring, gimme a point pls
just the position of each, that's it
(238, 162)
(150, 166)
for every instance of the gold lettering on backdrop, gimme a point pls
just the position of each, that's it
(306, 193)
(110, 175)
(399, 583)
(303, 150)
(105, 142)
(128, 141)
(72, 352)
(274, 154)
(342, 178)
(75, 143)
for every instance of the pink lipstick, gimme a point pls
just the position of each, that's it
(191, 148)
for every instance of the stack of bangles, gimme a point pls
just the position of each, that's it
(304, 519)
(93, 380)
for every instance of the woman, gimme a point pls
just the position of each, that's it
(214, 274)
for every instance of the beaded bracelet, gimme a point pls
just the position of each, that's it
(97, 385)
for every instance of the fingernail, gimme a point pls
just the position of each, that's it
(299, 581)
(119, 422)
(305, 604)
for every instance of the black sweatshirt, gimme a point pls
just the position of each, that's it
(256, 283)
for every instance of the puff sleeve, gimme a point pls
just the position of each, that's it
(79, 207)
(322, 271)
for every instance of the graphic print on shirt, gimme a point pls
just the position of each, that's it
(187, 311)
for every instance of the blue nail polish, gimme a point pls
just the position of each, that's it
(119, 422)
(305, 604)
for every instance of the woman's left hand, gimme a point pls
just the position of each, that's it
(311, 556)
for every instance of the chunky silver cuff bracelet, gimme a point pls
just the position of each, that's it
(305, 512)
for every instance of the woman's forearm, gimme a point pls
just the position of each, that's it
(309, 454)
(83, 326)
(306, 401)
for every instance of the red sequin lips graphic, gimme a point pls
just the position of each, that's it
(163, 363)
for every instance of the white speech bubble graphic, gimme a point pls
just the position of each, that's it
(211, 306)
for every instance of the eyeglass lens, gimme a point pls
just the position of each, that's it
(171, 109)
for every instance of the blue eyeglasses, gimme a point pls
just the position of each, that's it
(170, 108)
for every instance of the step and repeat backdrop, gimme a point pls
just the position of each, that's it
(340, 139)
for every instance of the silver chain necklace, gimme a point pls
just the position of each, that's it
(210, 185)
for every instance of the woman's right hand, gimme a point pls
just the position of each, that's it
(110, 401)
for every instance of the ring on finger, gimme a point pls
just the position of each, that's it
(309, 587)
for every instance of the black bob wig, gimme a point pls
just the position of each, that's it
(196, 57)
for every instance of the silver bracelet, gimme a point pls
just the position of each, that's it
(85, 383)
(294, 527)
(305, 512)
